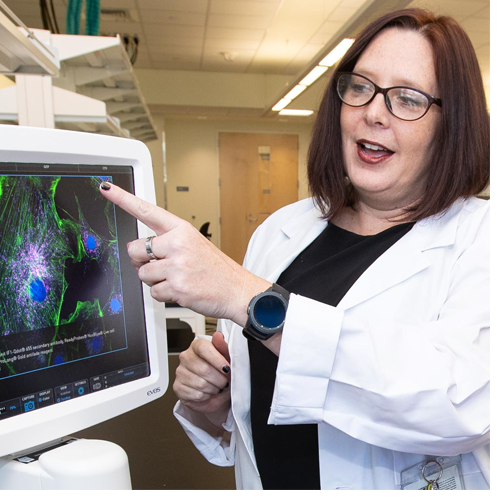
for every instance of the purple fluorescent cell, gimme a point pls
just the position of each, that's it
(91, 243)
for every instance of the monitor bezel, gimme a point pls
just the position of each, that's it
(37, 145)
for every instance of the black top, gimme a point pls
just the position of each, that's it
(287, 455)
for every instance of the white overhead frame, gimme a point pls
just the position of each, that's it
(99, 68)
(21, 51)
(96, 91)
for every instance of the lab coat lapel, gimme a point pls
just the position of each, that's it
(397, 264)
(405, 258)
(299, 233)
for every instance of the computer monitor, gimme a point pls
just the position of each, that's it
(81, 339)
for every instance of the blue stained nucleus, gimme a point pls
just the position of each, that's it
(115, 305)
(58, 360)
(37, 291)
(97, 343)
(91, 242)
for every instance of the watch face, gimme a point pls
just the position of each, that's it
(269, 311)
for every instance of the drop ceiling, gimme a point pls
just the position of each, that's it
(280, 37)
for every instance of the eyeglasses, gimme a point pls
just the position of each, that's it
(404, 103)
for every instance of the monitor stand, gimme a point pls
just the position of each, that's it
(67, 464)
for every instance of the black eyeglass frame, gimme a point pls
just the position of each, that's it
(379, 90)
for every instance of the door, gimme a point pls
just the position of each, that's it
(258, 175)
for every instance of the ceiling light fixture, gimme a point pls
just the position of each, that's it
(282, 103)
(298, 89)
(327, 62)
(296, 112)
(313, 75)
(337, 52)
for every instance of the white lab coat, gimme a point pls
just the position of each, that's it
(396, 372)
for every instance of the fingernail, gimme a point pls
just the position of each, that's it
(225, 369)
(105, 185)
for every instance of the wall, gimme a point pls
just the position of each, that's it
(192, 161)
(156, 150)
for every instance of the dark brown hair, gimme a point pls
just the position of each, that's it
(460, 166)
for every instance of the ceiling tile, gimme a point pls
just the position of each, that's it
(225, 68)
(293, 68)
(231, 44)
(478, 39)
(240, 34)
(174, 30)
(476, 24)
(342, 14)
(178, 5)
(240, 7)
(230, 21)
(330, 27)
(143, 61)
(119, 27)
(160, 40)
(267, 67)
(321, 38)
(24, 9)
(172, 17)
(176, 65)
(353, 4)
(116, 4)
(33, 22)
(279, 50)
(240, 59)
(172, 58)
(483, 50)
(307, 53)
(261, 1)
(169, 50)
(459, 9)
(484, 13)
(240, 56)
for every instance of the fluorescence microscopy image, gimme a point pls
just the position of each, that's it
(60, 288)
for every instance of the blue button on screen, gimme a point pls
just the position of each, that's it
(29, 406)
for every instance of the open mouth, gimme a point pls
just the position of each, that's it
(371, 152)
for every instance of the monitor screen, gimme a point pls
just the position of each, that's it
(71, 307)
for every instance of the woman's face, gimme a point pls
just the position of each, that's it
(391, 178)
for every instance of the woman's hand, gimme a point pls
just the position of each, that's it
(202, 378)
(189, 269)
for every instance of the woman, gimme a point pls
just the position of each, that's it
(381, 362)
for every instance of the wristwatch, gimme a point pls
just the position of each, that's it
(266, 313)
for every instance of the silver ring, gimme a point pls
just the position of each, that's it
(149, 250)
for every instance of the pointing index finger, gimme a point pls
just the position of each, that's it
(156, 218)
